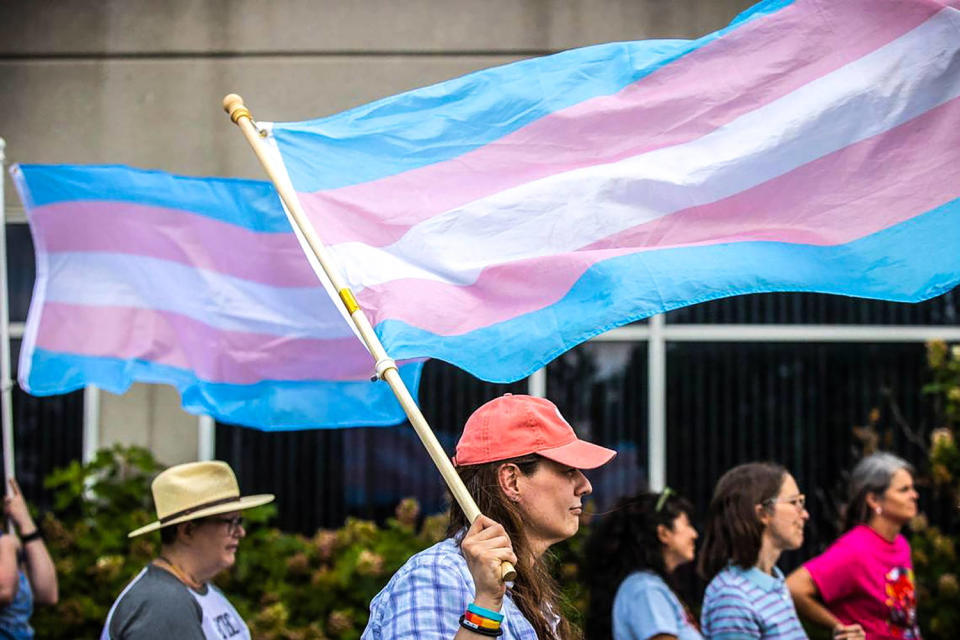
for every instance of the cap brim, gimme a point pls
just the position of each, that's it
(241, 503)
(579, 454)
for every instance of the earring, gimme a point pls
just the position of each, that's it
(878, 510)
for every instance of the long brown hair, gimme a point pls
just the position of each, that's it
(534, 591)
(734, 531)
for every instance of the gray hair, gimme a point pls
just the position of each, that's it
(871, 475)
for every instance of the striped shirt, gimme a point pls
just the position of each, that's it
(748, 603)
(426, 597)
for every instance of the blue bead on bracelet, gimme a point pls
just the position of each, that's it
(486, 613)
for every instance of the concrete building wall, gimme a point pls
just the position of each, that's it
(140, 82)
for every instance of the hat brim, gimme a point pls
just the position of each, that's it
(579, 454)
(241, 503)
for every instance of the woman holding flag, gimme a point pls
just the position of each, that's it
(521, 462)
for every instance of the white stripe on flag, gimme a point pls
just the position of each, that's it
(218, 300)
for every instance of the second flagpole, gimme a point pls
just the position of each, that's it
(386, 368)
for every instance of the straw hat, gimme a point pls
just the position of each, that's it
(196, 490)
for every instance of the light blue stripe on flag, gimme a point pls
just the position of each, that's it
(271, 405)
(252, 204)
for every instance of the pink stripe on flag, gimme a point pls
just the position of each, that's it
(179, 236)
(684, 100)
(214, 355)
(831, 201)
(912, 168)
(500, 293)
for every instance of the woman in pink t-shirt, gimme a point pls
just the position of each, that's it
(865, 578)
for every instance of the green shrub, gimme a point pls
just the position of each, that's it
(294, 587)
(936, 564)
(96, 505)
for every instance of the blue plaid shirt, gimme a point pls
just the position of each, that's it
(426, 597)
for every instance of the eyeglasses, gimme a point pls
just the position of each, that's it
(234, 524)
(799, 502)
(662, 500)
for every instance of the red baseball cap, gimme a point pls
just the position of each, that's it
(511, 426)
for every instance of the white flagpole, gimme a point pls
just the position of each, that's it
(91, 422)
(206, 437)
(386, 368)
(6, 384)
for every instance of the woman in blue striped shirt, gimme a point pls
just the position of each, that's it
(756, 513)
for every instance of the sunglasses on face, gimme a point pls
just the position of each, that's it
(234, 524)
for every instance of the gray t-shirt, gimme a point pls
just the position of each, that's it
(157, 606)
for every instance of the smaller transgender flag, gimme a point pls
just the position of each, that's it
(498, 219)
(199, 283)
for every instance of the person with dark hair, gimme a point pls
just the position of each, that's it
(198, 515)
(27, 573)
(756, 513)
(862, 586)
(521, 462)
(630, 560)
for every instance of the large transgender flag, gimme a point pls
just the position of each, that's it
(496, 220)
(198, 283)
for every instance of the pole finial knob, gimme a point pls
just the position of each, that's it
(233, 105)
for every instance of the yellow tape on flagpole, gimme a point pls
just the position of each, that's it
(349, 301)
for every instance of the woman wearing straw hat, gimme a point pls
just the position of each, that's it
(198, 516)
(521, 462)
